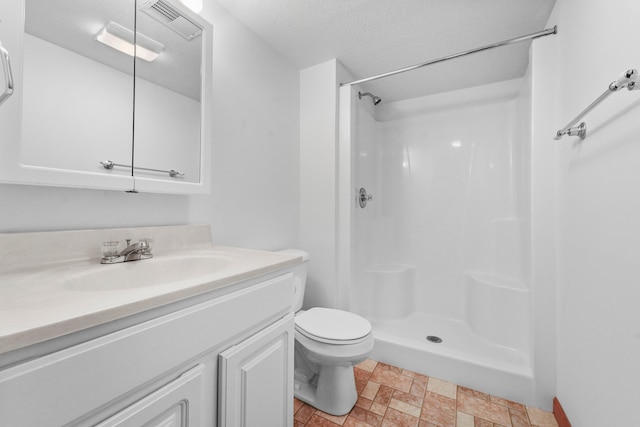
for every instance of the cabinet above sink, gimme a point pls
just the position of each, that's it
(107, 95)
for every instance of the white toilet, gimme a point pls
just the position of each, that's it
(328, 343)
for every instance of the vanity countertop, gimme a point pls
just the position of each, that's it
(58, 297)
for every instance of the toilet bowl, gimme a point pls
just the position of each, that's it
(328, 343)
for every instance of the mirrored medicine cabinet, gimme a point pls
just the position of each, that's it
(106, 94)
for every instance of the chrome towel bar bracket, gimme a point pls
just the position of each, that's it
(364, 197)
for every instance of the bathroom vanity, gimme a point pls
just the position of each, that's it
(187, 346)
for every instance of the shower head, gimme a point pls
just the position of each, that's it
(376, 99)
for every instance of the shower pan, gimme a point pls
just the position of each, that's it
(441, 262)
(437, 260)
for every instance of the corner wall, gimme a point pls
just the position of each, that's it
(321, 224)
(597, 207)
(542, 230)
(318, 187)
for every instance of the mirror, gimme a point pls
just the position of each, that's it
(84, 111)
(168, 94)
(77, 95)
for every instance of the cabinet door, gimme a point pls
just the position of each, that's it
(72, 105)
(256, 379)
(177, 404)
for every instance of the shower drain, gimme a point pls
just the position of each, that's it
(434, 339)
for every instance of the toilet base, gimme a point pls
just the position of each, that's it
(332, 390)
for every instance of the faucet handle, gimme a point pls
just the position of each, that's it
(147, 244)
(128, 241)
(110, 249)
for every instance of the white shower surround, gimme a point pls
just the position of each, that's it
(448, 174)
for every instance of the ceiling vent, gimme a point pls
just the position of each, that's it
(164, 13)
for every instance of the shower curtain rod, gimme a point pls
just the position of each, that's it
(532, 36)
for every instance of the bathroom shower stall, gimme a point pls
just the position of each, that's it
(438, 254)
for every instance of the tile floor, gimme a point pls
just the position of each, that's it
(390, 396)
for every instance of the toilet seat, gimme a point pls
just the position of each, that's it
(332, 326)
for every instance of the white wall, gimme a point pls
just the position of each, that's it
(443, 175)
(254, 197)
(598, 207)
(543, 185)
(255, 182)
(367, 228)
(322, 184)
(318, 129)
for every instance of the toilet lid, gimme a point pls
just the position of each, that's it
(330, 324)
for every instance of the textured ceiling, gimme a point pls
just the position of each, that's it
(375, 36)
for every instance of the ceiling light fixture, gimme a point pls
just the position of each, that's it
(120, 38)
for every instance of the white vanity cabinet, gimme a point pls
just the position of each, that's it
(256, 378)
(178, 404)
(235, 349)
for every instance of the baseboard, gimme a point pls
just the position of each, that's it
(558, 412)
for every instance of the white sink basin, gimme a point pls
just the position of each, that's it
(156, 271)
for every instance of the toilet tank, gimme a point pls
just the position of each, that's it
(299, 276)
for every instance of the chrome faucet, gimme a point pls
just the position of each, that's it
(133, 252)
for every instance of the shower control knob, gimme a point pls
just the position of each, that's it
(364, 197)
